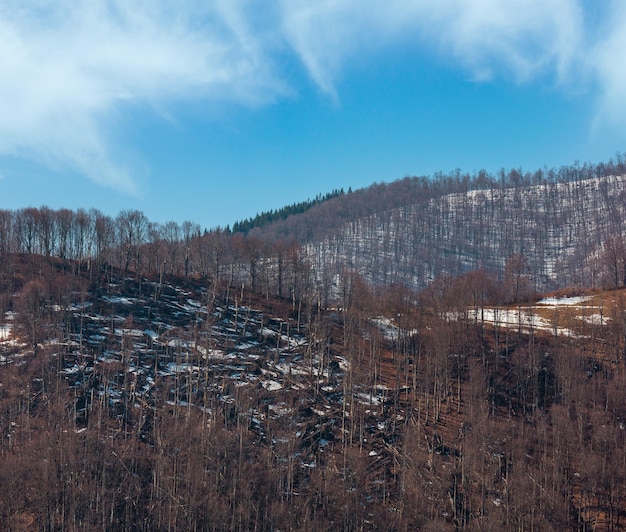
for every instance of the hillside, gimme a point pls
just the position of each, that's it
(400, 368)
(556, 228)
(157, 403)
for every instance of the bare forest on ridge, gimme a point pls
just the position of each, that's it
(443, 353)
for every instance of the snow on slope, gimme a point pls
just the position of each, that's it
(557, 227)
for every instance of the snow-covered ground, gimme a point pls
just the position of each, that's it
(175, 337)
(559, 225)
(564, 301)
(389, 329)
(541, 316)
(130, 347)
(5, 332)
(595, 319)
(516, 319)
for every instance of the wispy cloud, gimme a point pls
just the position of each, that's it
(71, 68)
(606, 60)
(520, 38)
(575, 45)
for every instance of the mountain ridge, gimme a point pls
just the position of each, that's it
(558, 228)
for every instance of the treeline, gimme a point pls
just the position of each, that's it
(559, 228)
(130, 243)
(272, 216)
(330, 217)
(411, 232)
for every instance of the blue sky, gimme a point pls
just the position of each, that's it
(213, 111)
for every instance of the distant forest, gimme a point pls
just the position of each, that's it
(410, 231)
(330, 216)
(272, 216)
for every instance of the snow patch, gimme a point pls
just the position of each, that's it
(563, 301)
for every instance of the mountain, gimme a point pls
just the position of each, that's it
(557, 230)
(379, 361)
(552, 226)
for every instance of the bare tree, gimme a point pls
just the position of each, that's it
(32, 305)
(613, 258)
(189, 231)
(104, 230)
(132, 227)
(171, 236)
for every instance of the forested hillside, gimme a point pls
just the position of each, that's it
(270, 217)
(558, 228)
(159, 403)
(396, 369)
(330, 216)
(554, 232)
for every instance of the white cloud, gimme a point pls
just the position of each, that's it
(577, 45)
(607, 59)
(522, 37)
(70, 68)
